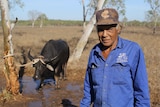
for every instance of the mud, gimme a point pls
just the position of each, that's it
(69, 95)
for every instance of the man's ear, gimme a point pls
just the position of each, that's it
(119, 28)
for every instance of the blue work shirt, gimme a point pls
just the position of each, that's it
(118, 81)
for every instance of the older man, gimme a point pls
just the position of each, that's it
(116, 74)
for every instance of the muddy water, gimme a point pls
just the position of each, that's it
(69, 94)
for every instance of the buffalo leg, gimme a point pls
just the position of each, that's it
(62, 72)
(65, 71)
(57, 82)
(57, 78)
(39, 84)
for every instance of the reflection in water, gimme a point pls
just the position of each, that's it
(43, 96)
(67, 103)
(72, 87)
(35, 104)
(28, 85)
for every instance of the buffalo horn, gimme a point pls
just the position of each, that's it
(49, 60)
(49, 67)
(30, 56)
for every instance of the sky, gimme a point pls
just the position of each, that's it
(72, 9)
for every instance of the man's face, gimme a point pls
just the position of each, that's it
(108, 35)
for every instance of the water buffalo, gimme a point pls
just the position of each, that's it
(51, 62)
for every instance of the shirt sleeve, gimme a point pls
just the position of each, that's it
(140, 82)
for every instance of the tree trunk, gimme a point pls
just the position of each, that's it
(83, 40)
(41, 23)
(84, 16)
(33, 23)
(12, 83)
(155, 25)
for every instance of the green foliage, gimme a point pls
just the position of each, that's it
(64, 22)
(51, 23)
(42, 17)
(80, 23)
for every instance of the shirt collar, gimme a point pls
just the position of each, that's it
(120, 43)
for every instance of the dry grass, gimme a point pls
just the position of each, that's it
(35, 38)
(151, 47)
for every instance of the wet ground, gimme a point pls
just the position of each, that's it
(69, 95)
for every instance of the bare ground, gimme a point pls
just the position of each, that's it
(71, 91)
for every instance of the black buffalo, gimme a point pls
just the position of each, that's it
(52, 61)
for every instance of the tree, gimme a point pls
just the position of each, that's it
(91, 7)
(124, 21)
(85, 11)
(42, 17)
(33, 15)
(96, 5)
(82, 42)
(10, 71)
(12, 3)
(84, 14)
(153, 14)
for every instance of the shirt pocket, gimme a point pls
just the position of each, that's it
(96, 73)
(121, 73)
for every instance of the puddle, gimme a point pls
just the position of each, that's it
(28, 86)
(35, 104)
(71, 87)
(48, 96)
(39, 104)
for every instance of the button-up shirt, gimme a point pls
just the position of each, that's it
(118, 81)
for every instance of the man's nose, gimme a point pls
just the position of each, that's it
(105, 33)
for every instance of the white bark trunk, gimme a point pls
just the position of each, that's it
(12, 83)
(33, 23)
(41, 23)
(4, 7)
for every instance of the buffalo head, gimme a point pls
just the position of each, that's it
(41, 65)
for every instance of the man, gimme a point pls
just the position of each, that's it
(116, 74)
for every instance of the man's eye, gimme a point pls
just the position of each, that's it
(111, 28)
(100, 30)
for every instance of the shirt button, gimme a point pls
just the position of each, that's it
(105, 76)
(106, 65)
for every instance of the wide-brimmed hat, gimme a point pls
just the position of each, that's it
(107, 16)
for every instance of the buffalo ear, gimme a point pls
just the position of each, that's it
(49, 67)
